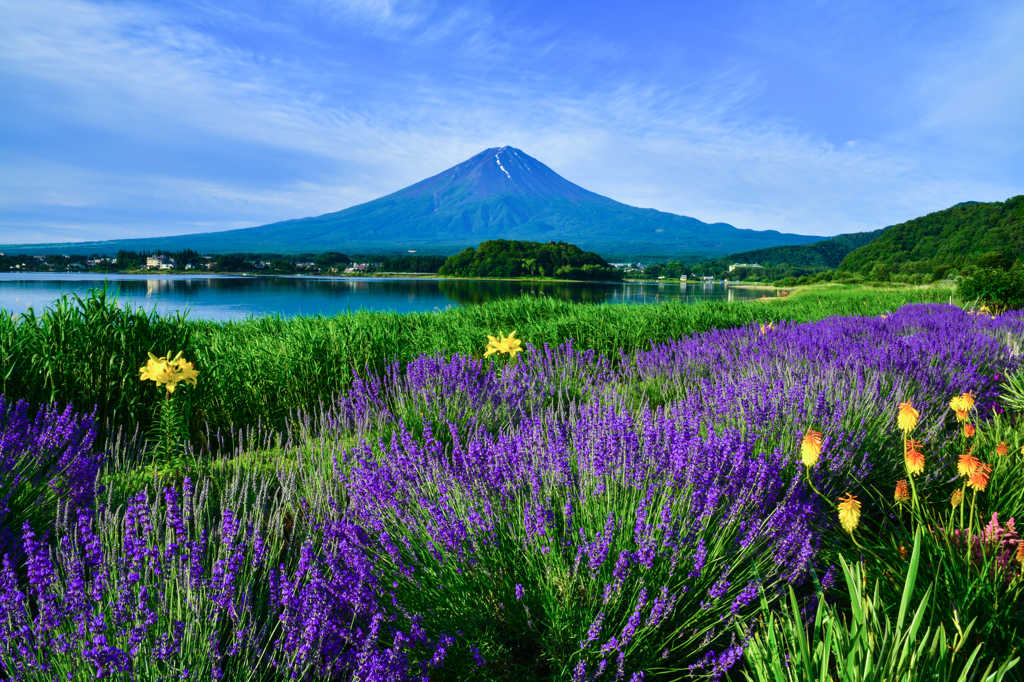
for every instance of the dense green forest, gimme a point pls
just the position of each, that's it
(956, 242)
(945, 243)
(418, 264)
(507, 258)
(775, 264)
(828, 253)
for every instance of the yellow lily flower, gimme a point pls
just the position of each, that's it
(168, 373)
(509, 345)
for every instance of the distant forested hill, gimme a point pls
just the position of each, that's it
(507, 258)
(824, 254)
(971, 234)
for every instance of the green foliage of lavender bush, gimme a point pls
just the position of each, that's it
(524, 603)
(185, 591)
(44, 460)
(86, 350)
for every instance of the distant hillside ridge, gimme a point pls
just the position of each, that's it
(984, 235)
(828, 253)
(500, 193)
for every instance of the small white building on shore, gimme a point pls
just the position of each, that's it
(160, 262)
(745, 265)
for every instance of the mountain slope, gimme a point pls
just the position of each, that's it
(501, 193)
(971, 233)
(828, 253)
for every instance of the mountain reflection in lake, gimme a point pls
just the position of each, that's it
(232, 298)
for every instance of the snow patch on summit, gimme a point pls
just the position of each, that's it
(498, 161)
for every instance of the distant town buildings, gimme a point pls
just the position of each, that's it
(160, 262)
(745, 265)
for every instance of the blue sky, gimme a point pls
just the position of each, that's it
(124, 119)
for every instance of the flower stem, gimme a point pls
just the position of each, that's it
(818, 492)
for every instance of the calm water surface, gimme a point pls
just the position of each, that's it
(220, 297)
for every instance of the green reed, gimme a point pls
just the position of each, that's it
(87, 350)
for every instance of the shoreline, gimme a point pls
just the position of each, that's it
(381, 275)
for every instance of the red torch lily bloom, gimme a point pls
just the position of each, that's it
(810, 448)
(902, 494)
(915, 458)
(849, 512)
(907, 417)
(967, 464)
(979, 479)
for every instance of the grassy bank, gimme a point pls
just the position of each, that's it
(86, 351)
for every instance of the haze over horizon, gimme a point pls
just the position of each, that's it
(145, 119)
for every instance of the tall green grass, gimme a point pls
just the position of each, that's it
(87, 350)
(863, 644)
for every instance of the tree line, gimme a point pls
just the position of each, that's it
(508, 258)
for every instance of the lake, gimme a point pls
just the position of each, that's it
(223, 297)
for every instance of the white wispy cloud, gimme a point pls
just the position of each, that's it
(385, 15)
(324, 134)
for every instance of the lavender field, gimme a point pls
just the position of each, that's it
(681, 510)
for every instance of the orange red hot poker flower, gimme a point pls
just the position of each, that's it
(967, 464)
(1002, 449)
(969, 430)
(906, 417)
(979, 479)
(810, 448)
(914, 458)
(849, 512)
(962, 404)
(902, 494)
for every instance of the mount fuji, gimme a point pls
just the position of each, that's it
(501, 193)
